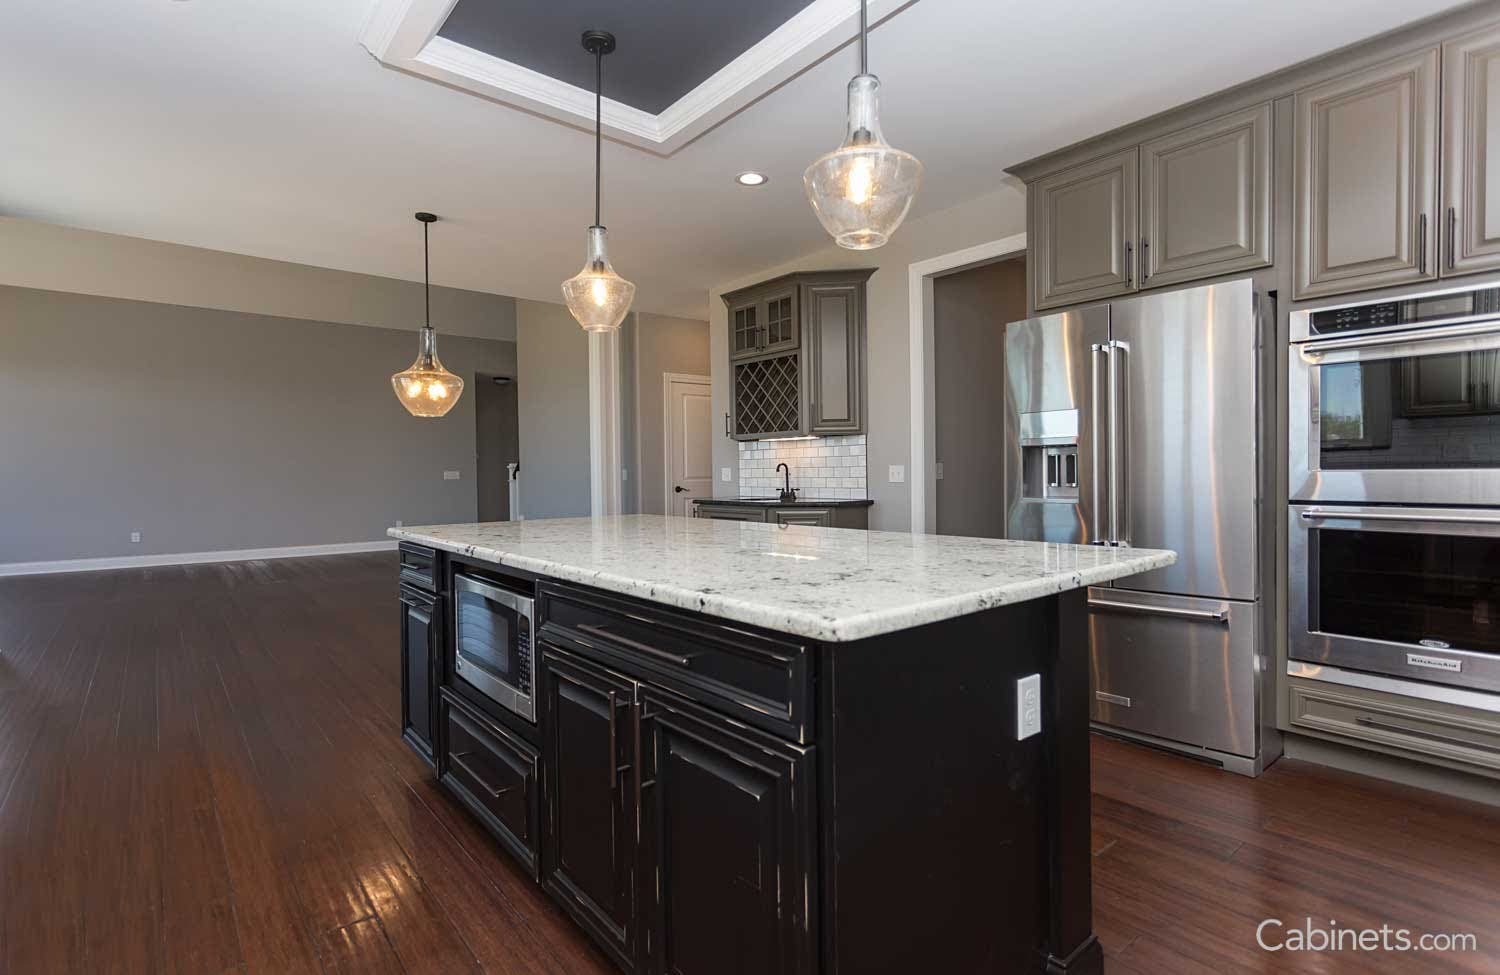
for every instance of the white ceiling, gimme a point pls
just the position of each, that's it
(261, 127)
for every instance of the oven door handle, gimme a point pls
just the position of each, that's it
(1470, 337)
(1399, 516)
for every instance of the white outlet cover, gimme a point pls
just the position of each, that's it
(1028, 706)
(135, 538)
(939, 472)
(724, 474)
(450, 475)
(898, 474)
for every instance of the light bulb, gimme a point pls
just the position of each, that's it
(414, 388)
(861, 183)
(600, 292)
(437, 391)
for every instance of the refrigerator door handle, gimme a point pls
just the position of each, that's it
(1095, 481)
(1117, 351)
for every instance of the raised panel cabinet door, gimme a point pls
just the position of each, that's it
(1206, 199)
(589, 844)
(721, 512)
(727, 829)
(1366, 174)
(1084, 227)
(1471, 118)
(419, 654)
(834, 357)
(818, 517)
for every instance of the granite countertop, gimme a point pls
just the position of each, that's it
(829, 584)
(799, 503)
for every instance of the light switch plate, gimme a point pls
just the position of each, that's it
(450, 475)
(1028, 707)
(724, 474)
(898, 473)
(135, 538)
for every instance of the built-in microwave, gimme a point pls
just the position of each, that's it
(1406, 592)
(1397, 401)
(492, 643)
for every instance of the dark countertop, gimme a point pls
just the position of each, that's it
(799, 503)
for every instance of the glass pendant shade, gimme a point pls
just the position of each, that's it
(862, 190)
(426, 388)
(596, 295)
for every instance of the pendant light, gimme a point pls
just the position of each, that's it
(596, 295)
(426, 388)
(862, 190)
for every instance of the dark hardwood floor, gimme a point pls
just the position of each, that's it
(200, 772)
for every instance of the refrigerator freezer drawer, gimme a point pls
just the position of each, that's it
(1175, 667)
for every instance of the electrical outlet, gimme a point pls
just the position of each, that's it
(135, 538)
(1028, 707)
(450, 475)
(939, 472)
(398, 522)
(624, 473)
(898, 474)
(724, 474)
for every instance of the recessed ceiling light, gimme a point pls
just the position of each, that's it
(752, 178)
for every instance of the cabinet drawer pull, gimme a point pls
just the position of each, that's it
(1365, 722)
(457, 758)
(599, 631)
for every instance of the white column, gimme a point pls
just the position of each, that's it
(604, 422)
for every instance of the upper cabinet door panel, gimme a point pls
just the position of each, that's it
(1366, 170)
(1471, 118)
(1084, 228)
(834, 360)
(1206, 199)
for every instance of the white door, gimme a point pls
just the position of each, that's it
(688, 435)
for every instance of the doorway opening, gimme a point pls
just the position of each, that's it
(497, 447)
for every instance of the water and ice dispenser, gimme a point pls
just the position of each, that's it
(1049, 456)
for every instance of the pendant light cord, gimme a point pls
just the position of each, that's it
(598, 127)
(864, 46)
(426, 277)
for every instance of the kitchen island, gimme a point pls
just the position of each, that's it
(774, 749)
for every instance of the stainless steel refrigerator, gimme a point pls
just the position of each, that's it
(1137, 423)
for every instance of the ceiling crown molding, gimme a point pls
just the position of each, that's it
(403, 34)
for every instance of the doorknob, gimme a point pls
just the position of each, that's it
(678, 489)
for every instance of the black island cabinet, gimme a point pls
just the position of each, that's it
(705, 797)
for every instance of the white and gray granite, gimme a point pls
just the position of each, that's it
(828, 584)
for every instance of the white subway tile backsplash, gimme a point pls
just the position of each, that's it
(830, 467)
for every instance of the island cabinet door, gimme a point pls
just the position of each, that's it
(727, 837)
(589, 845)
(419, 655)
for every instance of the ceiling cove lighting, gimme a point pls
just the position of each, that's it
(752, 178)
(862, 190)
(596, 295)
(425, 388)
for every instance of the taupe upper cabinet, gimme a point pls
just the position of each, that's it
(1366, 173)
(1206, 199)
(835, 350)
(1471, 118)
(1083, 232)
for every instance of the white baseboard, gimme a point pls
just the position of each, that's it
(190, 558)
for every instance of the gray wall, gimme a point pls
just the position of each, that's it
(208, 430)
(661, 344)
(990, 217)
(553, 392)
(970, 312)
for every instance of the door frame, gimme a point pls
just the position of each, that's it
(919, 277)
(667, 379)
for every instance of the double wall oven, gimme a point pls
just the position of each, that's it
(1394, 557)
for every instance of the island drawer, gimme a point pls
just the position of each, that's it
(419, 566)
(494, 773)
(752, 676)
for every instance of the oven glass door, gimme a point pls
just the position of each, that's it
(1408, 592)
(493, 642)
(1399, 420)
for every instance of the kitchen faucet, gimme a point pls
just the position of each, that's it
(787, 494)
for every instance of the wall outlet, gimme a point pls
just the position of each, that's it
(724, 474)
(450, 475)
(398, 522)
(1028, 707)
(898, 474)
(624, 473)
(135, 538)
(939, 472)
